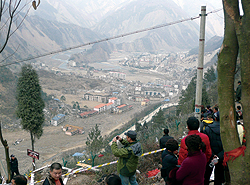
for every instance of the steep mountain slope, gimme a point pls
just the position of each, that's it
(83, 13)
(37, 36)
(142, 14)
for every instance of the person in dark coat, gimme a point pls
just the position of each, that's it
(238, 92)
(169, 159)
(55, 175)
(193, 168)
(165, 138)
(213, 132)
(13, 166)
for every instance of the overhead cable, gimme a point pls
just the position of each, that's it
(106, 39)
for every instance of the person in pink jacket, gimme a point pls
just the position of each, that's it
(193, 168)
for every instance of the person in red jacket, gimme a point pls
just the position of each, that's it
(193, 125)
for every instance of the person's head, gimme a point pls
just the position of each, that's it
(208, 107)
(216, 109)
(239, 82)
(131, 135)
(193, 123)
(19, 180)
(56, 171)
(113, 179)
(12, 156)
(238, 107)
(194, 143)
(210, 117)
(172, 146)
(166, 131)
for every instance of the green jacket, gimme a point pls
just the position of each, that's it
(128, 157)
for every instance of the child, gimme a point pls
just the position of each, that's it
(169, 159)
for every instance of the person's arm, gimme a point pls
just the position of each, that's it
(122, 152)
(183, 171)
(183, 152)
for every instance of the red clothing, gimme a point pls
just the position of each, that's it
(183, 149)
(192, 169)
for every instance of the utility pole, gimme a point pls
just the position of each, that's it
(198, 98)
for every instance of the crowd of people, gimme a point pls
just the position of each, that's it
(200, 151)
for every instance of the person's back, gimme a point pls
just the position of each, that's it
(213, 132)
(193, 168)
(169, 160)
(193, 125)
(165, 138)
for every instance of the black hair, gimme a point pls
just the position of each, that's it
(194, 143)
(208, 106)
(216, 108)
(210, 116)
(238, 107)
(56, 166)
(193, 123)
(203, 110)
(113, 179)
(166, 131)
(20, 180)
(172, 145)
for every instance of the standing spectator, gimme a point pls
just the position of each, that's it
(19, 180)
(193, 125)
(165, 138)
(128, 157)
(13, 165)
(193, 168)
(206, 122)
(55, 175)
(239, 114)
(169, 159)
(209, 110)
(113, 179)
(213, 132)
(238, 92)
(216, 112)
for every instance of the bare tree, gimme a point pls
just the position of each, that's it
(10, 21)
(6, 148)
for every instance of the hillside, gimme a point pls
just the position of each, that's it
(38, 36)
(49, 82)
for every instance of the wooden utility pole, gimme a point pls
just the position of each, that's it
(198, 98)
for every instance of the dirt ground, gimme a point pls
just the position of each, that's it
(54, 142)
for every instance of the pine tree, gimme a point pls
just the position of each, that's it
(94, 142)
(30, 103)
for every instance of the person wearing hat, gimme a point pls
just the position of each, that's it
(238, 92)
(13, 166)
(128, 157)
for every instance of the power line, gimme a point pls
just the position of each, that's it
(107, 39)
